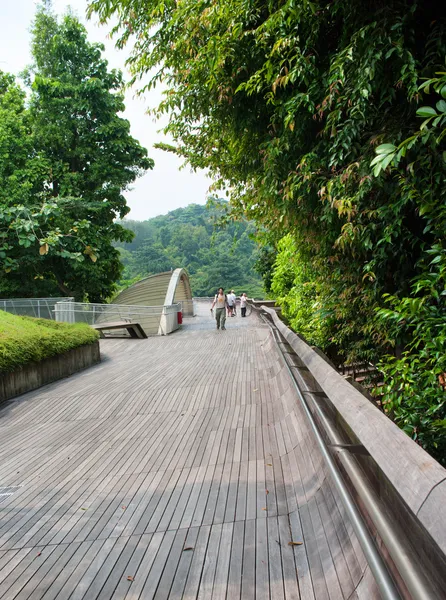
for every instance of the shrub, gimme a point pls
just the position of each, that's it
(24, 339)
(295, 288)
(414, 394)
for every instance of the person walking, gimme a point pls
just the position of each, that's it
(243, 299)
(221, 304)
(231, 303)
(234, 314)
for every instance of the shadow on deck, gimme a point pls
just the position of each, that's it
(180, 467)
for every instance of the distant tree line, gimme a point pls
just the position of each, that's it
(215, 250)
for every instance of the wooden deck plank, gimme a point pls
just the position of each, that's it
(193, 498)
(222, 565)
(202, 501)
(36, 571)
(38, 586)
(234, 587)
(262, 567)
(231, 502)
(223, 492)
(76, 564)
(183, 477)
(113, 569)
(157, 514)
(276, 577)
(154, 576)
(181, 574)
(171, 565)
(82, 588)
(138, 579)
(345, 545)
(196, 567)
(328, 567)
(249, 562)
(290, 573)
(15, 561)
(121, 581)
(337, 556)
(210, 563)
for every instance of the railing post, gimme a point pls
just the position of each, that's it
(56, 311)
(71, 314)
(162, 325)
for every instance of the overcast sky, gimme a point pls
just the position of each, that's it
(160, 190)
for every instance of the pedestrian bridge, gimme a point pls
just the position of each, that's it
(208, 464)
(162, 289)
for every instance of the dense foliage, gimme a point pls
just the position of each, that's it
(295, 287)
(24, 339)
(65, 158)
(286, 102)
(191, 238)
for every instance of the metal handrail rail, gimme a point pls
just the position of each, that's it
(138, 307)
(377, 566)
(410, 573)
(30, 300)
(94, 312)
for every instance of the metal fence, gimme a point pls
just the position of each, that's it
(155, 320)
(187, 308)
(42, 308)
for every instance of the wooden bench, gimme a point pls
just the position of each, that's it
(135, 330)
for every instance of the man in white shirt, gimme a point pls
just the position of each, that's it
(231, 303)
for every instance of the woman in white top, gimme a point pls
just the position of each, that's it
(243, 299)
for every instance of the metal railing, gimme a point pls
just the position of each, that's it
(42, 308)
(187, 308)
(404, 555)
(155, 320)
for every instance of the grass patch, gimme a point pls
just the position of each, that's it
(24, 339)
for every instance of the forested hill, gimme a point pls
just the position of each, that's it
(189, 237)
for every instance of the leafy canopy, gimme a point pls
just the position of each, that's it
(68, 158)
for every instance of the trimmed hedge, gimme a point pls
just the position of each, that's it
(24, 339)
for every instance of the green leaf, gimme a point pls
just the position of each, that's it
(377, 159)
(441, 106)
(426, 111)
(436, 260)
(385, 149)
(387, 160)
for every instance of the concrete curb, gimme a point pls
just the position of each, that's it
(35, 375)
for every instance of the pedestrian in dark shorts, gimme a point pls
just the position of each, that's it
(243, 299)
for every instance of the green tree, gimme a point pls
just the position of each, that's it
(25, 213)
(415, 388)
(90, 159)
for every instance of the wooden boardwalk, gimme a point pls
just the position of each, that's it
(177, 468)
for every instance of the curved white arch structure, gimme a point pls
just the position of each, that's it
(179, 290)
(162, 289)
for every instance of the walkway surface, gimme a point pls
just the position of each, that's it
(160, 474)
